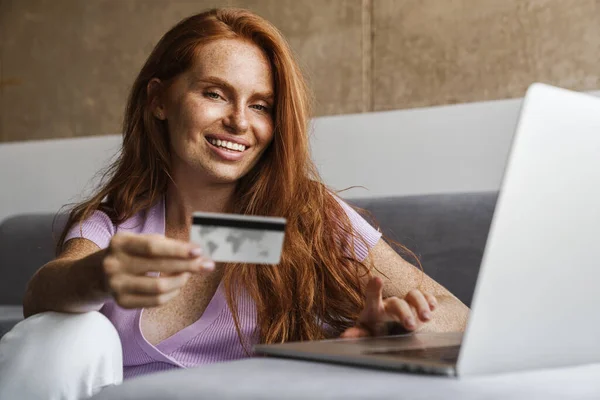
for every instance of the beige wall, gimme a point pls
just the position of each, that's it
(66, 65)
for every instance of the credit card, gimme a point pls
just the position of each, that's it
(239, 238)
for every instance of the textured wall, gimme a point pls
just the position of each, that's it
(66, 65)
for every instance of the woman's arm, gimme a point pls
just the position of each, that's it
(450, 314)
(84, 277)
(70, 283)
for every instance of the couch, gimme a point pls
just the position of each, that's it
(446, 231)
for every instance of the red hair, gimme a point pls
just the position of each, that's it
(318, 281)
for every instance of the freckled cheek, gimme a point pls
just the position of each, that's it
(199, 117)
(265, 132)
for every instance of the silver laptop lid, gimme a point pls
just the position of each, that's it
(536, 298)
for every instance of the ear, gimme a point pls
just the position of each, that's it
(155, 93)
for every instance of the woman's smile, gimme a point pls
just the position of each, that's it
(226, 149)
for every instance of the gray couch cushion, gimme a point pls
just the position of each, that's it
(9, 317)
(26, 243)
(448, 232)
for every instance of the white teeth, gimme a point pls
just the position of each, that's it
(228, 145)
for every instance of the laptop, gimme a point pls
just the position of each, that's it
(537, 295)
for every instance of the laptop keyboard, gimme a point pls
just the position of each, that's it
(446, 354)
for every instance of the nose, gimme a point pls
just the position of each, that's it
(237, 121)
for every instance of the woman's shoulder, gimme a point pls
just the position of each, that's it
(362, 230)
(350, 211)
(99, 227)
(149, 220)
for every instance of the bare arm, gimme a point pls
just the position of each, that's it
(450, 315)
(83, 277)
(73, 282)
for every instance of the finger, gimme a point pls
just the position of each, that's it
(373, 297)
(416, 299)
(431, 300)
(143, 301)
(139, 266)
(398, 308)
(388, 328)
(154, 246)
(354, 333)
(148, 285)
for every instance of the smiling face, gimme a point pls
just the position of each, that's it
(219, 112)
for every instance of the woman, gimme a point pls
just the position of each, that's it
(216, 121)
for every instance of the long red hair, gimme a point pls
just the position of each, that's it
(318, 280)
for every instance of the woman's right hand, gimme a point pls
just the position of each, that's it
(129, 257)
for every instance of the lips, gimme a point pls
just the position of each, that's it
(225, 154)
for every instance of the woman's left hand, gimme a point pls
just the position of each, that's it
(384, 316)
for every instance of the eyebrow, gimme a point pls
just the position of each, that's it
(268, 95)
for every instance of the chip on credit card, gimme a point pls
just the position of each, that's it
(239, 238)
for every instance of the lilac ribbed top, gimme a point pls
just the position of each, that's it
(213, 337)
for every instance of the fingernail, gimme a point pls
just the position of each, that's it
(426, 315)
(208, 264)
(409, 322)
(196, 251)
(432, 305)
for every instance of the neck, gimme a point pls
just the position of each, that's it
(183, 199)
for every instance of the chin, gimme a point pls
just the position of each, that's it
(226, 176)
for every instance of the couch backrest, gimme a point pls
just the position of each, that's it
(27, 242)
(460, 148)
(448, 232)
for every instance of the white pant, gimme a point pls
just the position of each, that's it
(60, 356)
